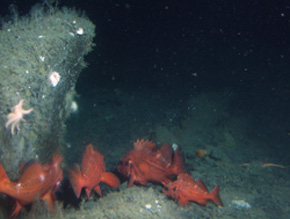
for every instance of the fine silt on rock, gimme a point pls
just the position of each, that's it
(41, 57)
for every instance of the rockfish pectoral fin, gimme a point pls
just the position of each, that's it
(17, 209)
(178, 162)
(132, 179)
(182, 201)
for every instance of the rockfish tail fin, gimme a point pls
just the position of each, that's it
(110, 179)
(215, 196)
(76, 180)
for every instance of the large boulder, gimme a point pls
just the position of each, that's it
(42, 55)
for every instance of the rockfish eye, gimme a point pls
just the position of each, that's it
(128, 162)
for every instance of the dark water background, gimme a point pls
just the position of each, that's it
(177, 49)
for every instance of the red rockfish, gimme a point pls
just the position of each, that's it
(36, 181)
(185, 189)
(92, 173)
(147, 163)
